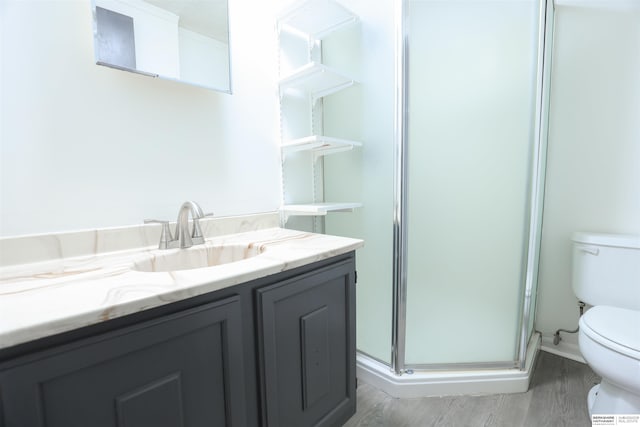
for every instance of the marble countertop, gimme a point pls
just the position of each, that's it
(48, 297)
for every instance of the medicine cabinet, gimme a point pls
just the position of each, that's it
(183, 41)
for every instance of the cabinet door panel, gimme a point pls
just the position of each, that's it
(308, 352)
(184, 369)
(315, 356)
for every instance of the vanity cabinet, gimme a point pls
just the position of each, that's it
(277, 351)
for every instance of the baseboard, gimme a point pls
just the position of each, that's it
(448, 383)
(564, 349)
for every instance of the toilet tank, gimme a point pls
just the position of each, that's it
(606, 269)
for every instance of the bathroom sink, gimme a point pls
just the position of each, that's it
(200, 256)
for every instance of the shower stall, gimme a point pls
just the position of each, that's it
(468, 176)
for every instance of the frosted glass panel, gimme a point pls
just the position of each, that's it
(365, 113)
(471, 80)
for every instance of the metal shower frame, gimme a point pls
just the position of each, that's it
(535, 202)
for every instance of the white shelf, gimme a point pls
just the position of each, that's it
(319, 209)
(316, 80)
(320, 145)
(315, 19)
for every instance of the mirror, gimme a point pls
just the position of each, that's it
(181, 40)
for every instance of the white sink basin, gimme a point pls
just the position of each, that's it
(200, 256)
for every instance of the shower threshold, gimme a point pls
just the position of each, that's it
(423, 383)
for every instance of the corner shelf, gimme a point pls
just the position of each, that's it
(312, 20)
(316, 80)
(320, 145)
(319, 209)
(315, 19)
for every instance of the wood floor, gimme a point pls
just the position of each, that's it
(557, 397)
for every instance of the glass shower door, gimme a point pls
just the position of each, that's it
(472, 100)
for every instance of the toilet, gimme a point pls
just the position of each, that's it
(606, 275)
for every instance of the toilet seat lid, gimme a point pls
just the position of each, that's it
(616, 325)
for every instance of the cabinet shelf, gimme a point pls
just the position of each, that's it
(319, 209)
(316, 80)
(319, 145)
(315, 19)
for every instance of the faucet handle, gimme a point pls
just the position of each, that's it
(196, 235)
(165, 235)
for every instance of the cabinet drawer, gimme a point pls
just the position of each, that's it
(180, 370)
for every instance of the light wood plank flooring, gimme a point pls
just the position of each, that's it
(557, 397)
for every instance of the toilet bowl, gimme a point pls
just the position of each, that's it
(609, 340)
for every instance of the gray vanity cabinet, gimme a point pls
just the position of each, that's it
(278, 351)
(307, 352)
(183, 369)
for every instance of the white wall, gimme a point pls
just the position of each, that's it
(593, 171)
(86, 146)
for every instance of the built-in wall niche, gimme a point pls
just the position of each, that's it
(185, 41)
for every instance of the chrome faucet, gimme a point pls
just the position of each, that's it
(183, 237)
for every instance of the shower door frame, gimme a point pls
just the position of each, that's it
(535, 190)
